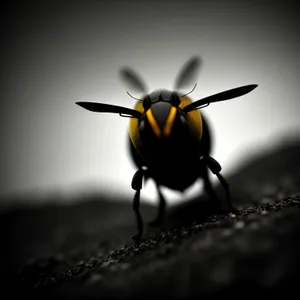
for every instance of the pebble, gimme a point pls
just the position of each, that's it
(124, 266)
(240, 224)
(81, 264)
(94, 278)
(227, 232)
(108, 263)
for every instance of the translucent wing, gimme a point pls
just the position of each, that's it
(132, 80)
(188, 73)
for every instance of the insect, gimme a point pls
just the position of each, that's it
(169, 137)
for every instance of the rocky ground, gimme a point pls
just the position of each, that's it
(85, 249)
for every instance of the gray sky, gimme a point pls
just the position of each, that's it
(58, 52)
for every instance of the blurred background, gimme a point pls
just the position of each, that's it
(55, 53)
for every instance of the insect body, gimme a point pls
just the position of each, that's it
(169, 138)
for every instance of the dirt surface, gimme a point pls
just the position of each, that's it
(85, 249)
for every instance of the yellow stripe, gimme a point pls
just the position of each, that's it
(153, 123)
(194, 119)
(133, 127)
(170, 121)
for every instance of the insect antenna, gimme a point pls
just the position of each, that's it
(190, 91)
(134, 97)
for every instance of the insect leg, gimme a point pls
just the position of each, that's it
(215, 167)
(209, 189)
(136, 184)
(161, 209)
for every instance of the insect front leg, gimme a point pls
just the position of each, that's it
(216, 168)
(161, 209)
(136, 184)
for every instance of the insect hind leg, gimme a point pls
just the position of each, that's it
(210, 190)
(215, 167)
(161, 209)
(225, 185)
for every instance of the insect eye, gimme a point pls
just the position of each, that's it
(146, 104)
(175, 99)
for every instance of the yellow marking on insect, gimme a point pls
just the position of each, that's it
(193, 117)
(170, 121)
(133, 127)
(153, 122)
